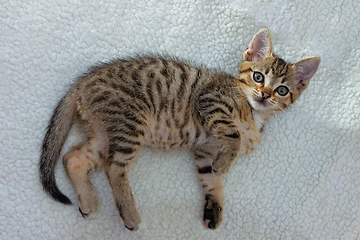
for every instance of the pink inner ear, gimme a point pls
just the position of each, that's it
(249, 55)
(301, 83)
(304, 71)
(260, 47)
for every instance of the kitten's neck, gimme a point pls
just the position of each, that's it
(259, 118)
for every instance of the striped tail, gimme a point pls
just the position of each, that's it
(57, 132)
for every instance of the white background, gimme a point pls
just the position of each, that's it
(302, 182)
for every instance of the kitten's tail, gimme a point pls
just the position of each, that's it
(57, 132)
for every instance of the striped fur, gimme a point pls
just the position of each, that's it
(165, 103)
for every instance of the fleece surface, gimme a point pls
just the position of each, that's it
(303, 180)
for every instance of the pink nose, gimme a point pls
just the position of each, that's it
(265, 95)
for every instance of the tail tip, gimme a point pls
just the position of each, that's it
(64, 200)
(57, 195)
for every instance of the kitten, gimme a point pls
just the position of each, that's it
(161, 102)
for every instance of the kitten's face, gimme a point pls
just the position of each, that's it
(268, 84)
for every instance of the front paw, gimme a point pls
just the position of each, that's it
(220, 167)
(212, 213)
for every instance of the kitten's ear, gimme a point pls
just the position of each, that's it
(260, 47)
(304, 71)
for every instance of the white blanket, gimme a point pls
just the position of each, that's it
(303, 180)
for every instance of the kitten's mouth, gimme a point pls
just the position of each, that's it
(261, 102)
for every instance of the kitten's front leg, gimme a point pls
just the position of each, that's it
(211, 184)
(220, 119)
(223, 161)
(229, 137)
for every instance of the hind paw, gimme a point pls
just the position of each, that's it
(131, 218)
(89, 208)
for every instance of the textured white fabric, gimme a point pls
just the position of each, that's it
(303, 180)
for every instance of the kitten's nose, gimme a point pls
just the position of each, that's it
(265, 94)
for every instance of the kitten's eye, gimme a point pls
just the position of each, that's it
(282, 90)
(258, 77)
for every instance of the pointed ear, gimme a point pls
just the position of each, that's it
(260, 47)
(304, 71)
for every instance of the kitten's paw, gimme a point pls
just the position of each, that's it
(89, 207)
(220, 167)
(212, 213)
(131, 218)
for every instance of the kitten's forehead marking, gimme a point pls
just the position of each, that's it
(276, 72)
(279, 67)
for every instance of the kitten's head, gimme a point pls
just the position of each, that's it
(269, 83)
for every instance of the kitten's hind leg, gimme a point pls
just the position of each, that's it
(211, 184)
(117, 168)
(79, 164)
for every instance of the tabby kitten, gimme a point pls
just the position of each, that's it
(161, 102)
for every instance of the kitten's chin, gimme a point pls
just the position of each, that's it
(259, 105)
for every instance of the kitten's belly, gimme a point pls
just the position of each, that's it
(168, 136)
(163, 133)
